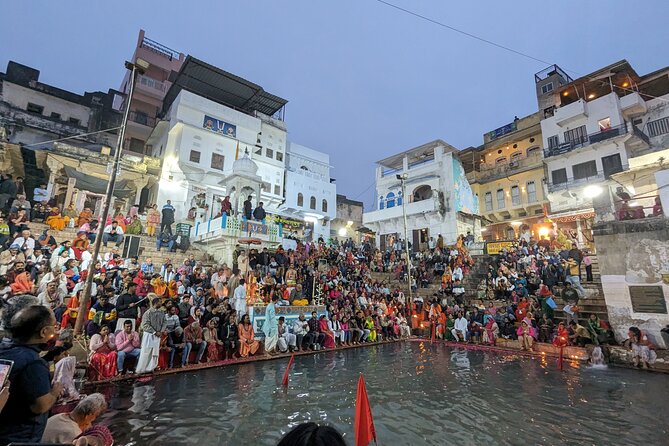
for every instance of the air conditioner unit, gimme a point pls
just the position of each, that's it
(514, 164)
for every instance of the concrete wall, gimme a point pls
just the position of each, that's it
(633, 253)
(20, 96)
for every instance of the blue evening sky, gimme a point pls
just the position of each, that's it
(363, 81)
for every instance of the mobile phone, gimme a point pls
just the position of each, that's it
(5, 369)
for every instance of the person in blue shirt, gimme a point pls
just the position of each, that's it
(31, 394)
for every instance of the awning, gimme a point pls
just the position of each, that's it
(122, 189)
(364, 230)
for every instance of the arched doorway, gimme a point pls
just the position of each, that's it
(421, 193)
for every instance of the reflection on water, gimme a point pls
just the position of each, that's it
(420, 393)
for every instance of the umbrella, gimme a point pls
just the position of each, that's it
(249, 241)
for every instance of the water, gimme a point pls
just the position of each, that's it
(421, 394)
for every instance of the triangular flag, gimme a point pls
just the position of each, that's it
(364, 423)
(284, 382)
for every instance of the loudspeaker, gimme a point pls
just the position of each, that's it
(131, 246)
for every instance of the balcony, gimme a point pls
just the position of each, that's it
(151, 86)
(571, 112)
(575, 183)
(222, 227)
(416, 207)
(587, 140)
(517, 165)
(142, 118)
(633, 105)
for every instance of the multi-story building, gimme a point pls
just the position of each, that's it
(65, 140)
(348, 221)
(150, 90)
(439, 198)
(597, 126)
(507, 174)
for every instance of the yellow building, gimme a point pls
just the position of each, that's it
(507, 174)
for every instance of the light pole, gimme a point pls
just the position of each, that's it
(402, 179)
(140, 66)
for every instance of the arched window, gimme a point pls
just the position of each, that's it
(390, 200)
(500, 160)
(399, 198)
(515, 156)
(324, 206)
(382, 203)
(422, 193)
(533, 150)
(300, 199)
(312, 203)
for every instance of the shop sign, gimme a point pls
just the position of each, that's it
(286, 222)
(477, 248)
(494, 248)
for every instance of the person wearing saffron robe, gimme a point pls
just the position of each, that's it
(55, 220)
(214, 345)
(252, 287)
(154, 325)
(247, 343)
(80, 244)
(329, 341)
(102, 357)
(271, 326)
(522, 309)
(159, 286)
(85, 216)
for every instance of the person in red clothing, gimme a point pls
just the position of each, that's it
(562, 337)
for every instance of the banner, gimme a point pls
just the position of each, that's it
(251, 228)
(218, 126)
(494, 248)
(476, 248)
(286, 222)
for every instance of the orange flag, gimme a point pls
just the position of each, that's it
(364, 423)
(284, 382)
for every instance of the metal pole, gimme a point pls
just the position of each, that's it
(86, 295)
(406, 242)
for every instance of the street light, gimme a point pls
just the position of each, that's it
(139, 67)
(403, 179)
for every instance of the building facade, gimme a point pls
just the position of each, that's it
(348, 220)
(439, 199)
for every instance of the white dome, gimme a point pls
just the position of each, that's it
(244, 166)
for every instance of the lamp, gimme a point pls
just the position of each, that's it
(342, 232)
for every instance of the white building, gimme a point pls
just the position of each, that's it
(439, 198)
(598, 126)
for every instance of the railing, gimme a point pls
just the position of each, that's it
(237, 227)
(142, 118)
(641, 135)
(159, 48)
(658, 127)
(586, 140)
(552, 187)
(488, 172)
(152, 83)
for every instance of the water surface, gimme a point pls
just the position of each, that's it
(421, 394)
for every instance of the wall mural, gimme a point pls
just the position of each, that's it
(464, 197)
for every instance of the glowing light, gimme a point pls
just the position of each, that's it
(483, 229)
(592, 191)
(543, 232)
(591, 96)
(516, 223)
(342, 232)
(310, 219)
(626, 84)
(349, 223)
(566, 93)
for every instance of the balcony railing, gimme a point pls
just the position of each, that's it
(571, 183)
(488, 172)
(586, 140)
(142, 118)
(160, 49)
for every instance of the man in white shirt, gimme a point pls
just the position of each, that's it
(113, 233)
(431, 244)
(239, 299)
(26, 243)
(460, 328)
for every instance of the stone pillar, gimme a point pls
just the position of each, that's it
(662, 181)
(71, 182)
(50, 184)
(579, 233)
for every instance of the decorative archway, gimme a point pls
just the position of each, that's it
(421, 193)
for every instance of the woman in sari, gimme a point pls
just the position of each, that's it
(369, 325)
(329, 341)
(643, 351)
(214, 345)
(152, 221)
(247, 343)
(102, 357)
(491, 330)
(159, 286)
(55, 220)
(135, 226)
(80, 244)
(525, 336)
(562, 337)
(85, 216)
(72, 311)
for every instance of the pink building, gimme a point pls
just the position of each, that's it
(150, 89)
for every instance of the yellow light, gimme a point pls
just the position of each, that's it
(543, 232)
(626, 84)
(566, 93)
(591, 96)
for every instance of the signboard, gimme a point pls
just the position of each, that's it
(477, 249)
(497, 133)
(251, 227)
(218, 126)
(494, 248)
(290, 223)
(648, 299)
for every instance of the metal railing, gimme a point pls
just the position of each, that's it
(488, 172)
(586, 140)
(160, 49)
(142, 118)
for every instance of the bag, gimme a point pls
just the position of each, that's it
(551, 303)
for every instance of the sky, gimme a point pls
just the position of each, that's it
(363, 80)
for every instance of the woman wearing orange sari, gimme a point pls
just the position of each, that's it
(159, 287)
(80, 244)
(120, 219)
(172, 289)
(247, 343)
(85, 216)
(55, 220)
(72, 311)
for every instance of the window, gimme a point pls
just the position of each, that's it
(488, 201)
(658, 127)
(217, 161)
(34, 108)
(547, 88)
(277, 189)
(76, 121)
(55, 115)
(533, 150)
(382, 202)
(279, 156)
(500, 160)
(500, 199)
(531, 192)
(258, 151)
(300, 199)
(584, 170)
(577, 136)
(612, 164)
(269, 153)
(324, 206)
(559, 176)
(136, 145)
(194, 156)
(515, 196)
(553, 142)
(312, 203)
(516, 156)
(390, 200)
(604, 124)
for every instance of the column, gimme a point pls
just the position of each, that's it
(50, 184)
(71, 182)
(579, 234)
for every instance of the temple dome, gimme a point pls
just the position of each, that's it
(244, 166)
